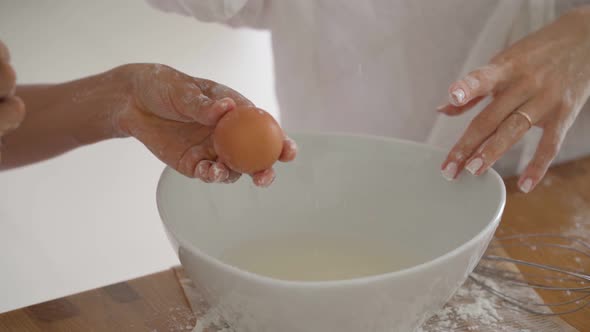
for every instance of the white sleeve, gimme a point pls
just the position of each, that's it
(235, 13)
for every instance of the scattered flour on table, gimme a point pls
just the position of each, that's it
(580, 227)
(474, 308)
(212, 322)
(208, 320)
(470, 308)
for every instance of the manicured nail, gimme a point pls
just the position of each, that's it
(474, 166)
(457, 97)
(450, 171)
(526, 186)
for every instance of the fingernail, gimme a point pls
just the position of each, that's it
(265, 181)
(441, 107)
(526, 186)
(291, 142)
(269, 181)
(202, 169)
(450, 171)
(218, 173)
(226, 104)
(457, 97)
(290, 153)
(474, 165)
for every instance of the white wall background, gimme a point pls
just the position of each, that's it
(89, 218)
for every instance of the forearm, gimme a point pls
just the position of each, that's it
(62, 117)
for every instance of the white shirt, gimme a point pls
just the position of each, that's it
(381, 67)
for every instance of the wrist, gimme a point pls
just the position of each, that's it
(98, 102)
(123, 117)
(116, 96)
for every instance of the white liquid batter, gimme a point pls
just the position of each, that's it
(305, 257)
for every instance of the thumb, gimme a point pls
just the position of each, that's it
(192, 103)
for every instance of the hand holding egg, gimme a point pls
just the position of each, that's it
(201, 128)
(249, 140)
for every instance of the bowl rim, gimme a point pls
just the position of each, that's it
(227, 268)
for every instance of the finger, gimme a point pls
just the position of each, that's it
(232, 177)
(452, 110)
(264, 178)
(7, 80)
(481, 82)
(210, 115)
(215, 172)
(4, 53)
(202, 170)
(483, 126)
(7, 73)
(191, 158)
(546, 152)
(192, 103)
(289, 150)
(508, 133)
(172, 95)
(12, 113)
(217, 91)
(218, 173)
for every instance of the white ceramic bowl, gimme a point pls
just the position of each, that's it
(387, 190)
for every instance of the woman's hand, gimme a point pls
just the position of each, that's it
(12, 109)
(174, 115)
(543, 80)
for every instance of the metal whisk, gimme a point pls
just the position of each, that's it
(496, 272)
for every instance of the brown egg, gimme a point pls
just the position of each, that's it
(248, 140)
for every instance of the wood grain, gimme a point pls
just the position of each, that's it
(152, 303)
(561, 204)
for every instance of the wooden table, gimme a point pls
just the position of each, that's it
(559, 205)
(157, 303)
